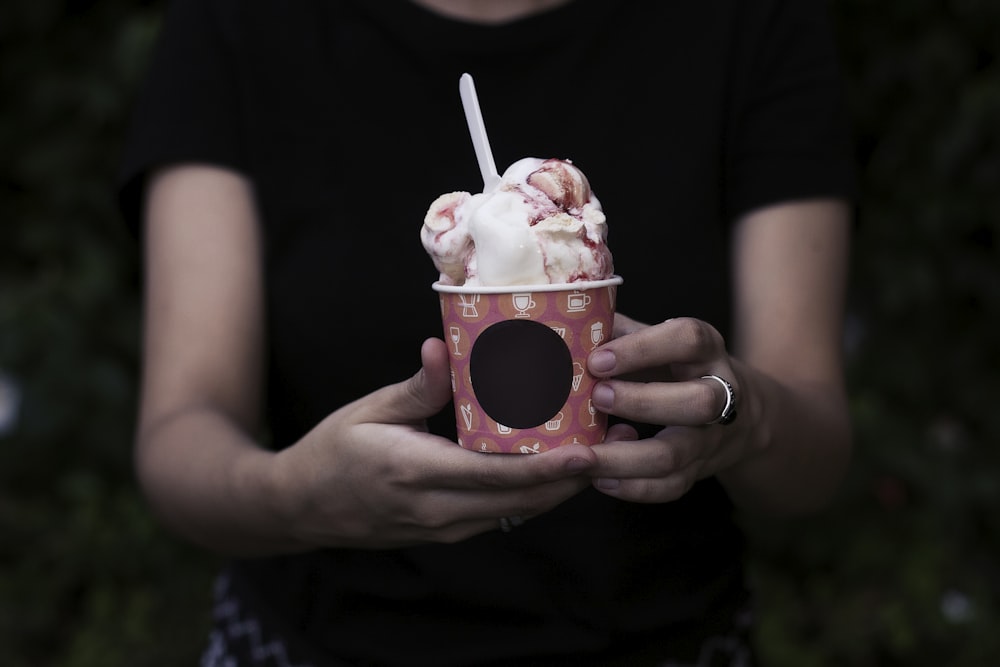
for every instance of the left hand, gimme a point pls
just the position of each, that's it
(653, 374)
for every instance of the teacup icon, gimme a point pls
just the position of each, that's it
(577, 301)
(555, 423)
(503, 429)
(523, 303)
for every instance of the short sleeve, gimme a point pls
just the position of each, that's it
(788, 135)
(188, 105)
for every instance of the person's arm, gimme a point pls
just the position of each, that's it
(790, 275)
(788, 448)
(368, 475)
(201, 389)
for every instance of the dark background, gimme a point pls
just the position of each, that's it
(902, 571)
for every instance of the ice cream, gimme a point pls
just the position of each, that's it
(540, 225)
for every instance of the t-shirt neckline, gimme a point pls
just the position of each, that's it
(435, 32)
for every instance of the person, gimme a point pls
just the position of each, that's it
(294, 408)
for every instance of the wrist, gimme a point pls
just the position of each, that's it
(752, 433)
(794, 446)
(263, 483)
(752, 429)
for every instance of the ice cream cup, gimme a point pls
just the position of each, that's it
(519, 362)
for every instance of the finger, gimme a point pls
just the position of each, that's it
(653, 470)
(421, 396)
(452, 467)
(670, 450)
(650, 489)
(689, 403)
(681, 340)
(433, 382)
(422, 461)
(443, 513)
(621, 432)
(448, 508)
(625, 325)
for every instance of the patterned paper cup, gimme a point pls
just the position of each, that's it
(519, 363)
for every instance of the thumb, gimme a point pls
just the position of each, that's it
(432, 383)
(421, 396)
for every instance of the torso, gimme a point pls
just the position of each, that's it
(351, 124)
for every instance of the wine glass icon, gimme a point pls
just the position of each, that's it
(456, 335)
(593, 413)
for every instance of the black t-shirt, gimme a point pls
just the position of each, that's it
(346, 117)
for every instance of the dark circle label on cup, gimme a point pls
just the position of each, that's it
(522, 373)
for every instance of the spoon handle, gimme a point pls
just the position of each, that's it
(477, 129)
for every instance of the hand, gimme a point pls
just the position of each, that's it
(654, 375)
(371, 476)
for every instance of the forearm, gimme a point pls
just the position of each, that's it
(789, 277)
(799, 446)
(210, 483)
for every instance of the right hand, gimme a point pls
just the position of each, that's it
(370, 476)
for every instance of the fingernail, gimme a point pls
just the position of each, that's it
(603, 397)
(577, 465)
(602, 361)
(607, 484)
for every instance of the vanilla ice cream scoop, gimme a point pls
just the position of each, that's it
(540, 225)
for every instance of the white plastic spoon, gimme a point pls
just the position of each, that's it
(477, 129)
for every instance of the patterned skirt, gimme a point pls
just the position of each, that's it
(239, 638)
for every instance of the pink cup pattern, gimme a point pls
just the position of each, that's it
(581, 317)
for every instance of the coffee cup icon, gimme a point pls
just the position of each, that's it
(577, 301)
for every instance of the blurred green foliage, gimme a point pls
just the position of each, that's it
(902, 571)
(87, 579)
(905, 570)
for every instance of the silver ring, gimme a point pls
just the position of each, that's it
(728, 413)
(509, 523)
